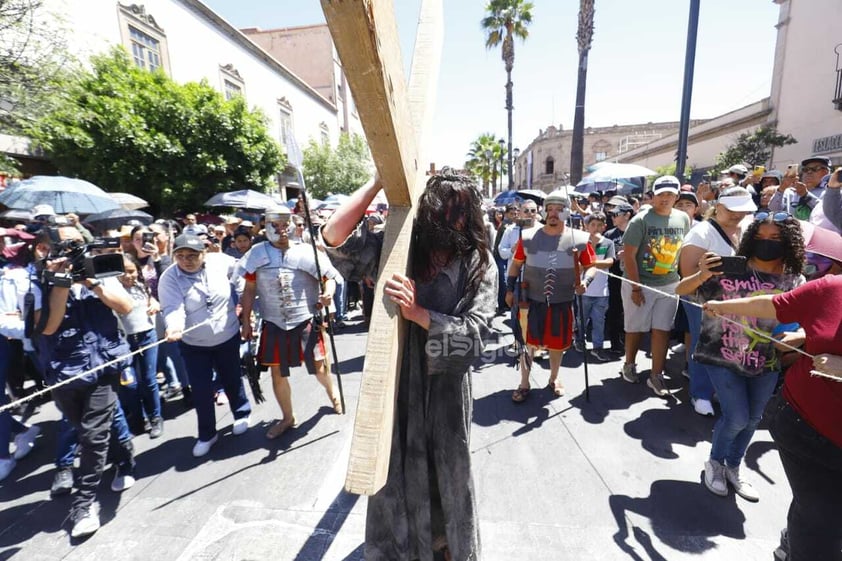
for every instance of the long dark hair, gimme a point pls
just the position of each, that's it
(791, 237)
(436, 241)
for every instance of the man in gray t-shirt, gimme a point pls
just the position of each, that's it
(651, 242)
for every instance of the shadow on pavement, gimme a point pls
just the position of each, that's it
(684, 516)
(18, 526)
(659, 429)
(755, 451)
(530, 414)
(613, 394)
(324, 533)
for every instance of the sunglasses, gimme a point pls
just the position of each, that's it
(777, 217)
(530, 211)
(813, 169)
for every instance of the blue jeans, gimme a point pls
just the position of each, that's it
(813, 467)
(172, 365)
(8, 424)
(201, 363)
(340, 298)
(146, 401)
(593, 308)
(743, 399)
(700, 384)
(67, 441)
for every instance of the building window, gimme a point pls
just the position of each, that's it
(549, 166)
(325, 132)
(286, 127)
(146, 50)
(232, 83)
(143, 37)
(599, 156)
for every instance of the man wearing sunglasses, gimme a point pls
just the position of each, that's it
(797, 196)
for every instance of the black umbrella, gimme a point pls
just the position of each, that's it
(114, 219)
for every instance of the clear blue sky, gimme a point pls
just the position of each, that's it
(635, 68)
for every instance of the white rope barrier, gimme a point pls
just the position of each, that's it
(117, 360)
(742, 326)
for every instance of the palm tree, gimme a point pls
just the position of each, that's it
(584, 37)
(505, 20)
(483, 156)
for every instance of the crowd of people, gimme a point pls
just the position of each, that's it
(757, 251)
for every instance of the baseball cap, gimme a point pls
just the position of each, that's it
(42, 210)
(189, 241)
(823, 160)
(617, 200)
(773, 173)
(688, 196)
(666, 184)
(737, 199)
(739, 169)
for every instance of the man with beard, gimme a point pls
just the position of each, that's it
(549, 279)
(284, 276)
(427, 509)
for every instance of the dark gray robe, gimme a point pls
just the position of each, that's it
(429, 493)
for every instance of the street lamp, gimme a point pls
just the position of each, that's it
(515, 153)
(502, 144)
(489, 162)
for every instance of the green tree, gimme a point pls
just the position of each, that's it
(340, 170)
(505, 20)
(752, 148)
(584, 38)
(175, 145)
(484, 154)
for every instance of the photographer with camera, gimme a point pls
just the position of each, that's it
(80, 334)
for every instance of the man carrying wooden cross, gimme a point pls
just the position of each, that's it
(427, 509)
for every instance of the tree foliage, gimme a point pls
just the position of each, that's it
(343, 169)
(175, 145)
(752, 148)
(484, 156)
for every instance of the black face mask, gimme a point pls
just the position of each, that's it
(768, 250)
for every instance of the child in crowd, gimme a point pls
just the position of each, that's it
(595, 298)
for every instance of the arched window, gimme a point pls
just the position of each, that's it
(549, 165)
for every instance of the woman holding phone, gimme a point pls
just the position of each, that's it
(743, 365)
(719, 233)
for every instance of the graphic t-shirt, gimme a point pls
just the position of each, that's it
(657, 239)
(604, 249)
(723, 343)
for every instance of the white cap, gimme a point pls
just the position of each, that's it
(666, 184)
(737, 199)
(42, 210)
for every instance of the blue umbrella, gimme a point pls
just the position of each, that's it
(64, 194)
(507, 197)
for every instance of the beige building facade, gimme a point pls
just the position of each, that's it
(545, 163)
(807, 82)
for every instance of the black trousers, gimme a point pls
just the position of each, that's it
(89, 409)
(614, 327)
(813, 466)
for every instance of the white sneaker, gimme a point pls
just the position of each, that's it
(6, 467)
(25, 441)
(677, 349)
(85, 522)
(742, 487)
(715, 478)
(202, 447)
(122, 481)
(703, 407)
(240, 426)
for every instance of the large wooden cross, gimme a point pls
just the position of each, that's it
(395, 119)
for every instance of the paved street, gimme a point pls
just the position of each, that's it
(558, 479)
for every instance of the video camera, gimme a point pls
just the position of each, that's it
(86, 264)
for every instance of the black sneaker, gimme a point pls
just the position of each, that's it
(599, 355)
(156, 427)
(62, 482)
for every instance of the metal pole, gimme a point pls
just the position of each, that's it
(687, 94)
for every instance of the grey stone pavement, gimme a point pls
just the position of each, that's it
(618, 477)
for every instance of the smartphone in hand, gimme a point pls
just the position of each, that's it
(731, 265)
